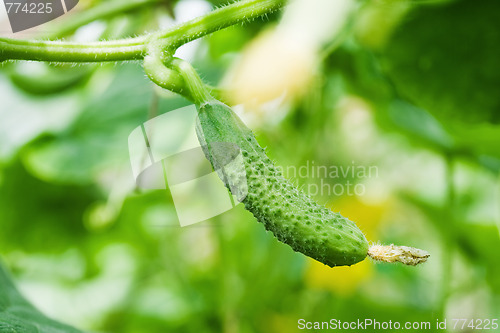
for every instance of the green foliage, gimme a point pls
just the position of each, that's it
(18, 315)
(423, 110)
(32, 205)
(97, 138)
(53, 81)
(438, 62)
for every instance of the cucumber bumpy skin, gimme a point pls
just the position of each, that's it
(290, 214)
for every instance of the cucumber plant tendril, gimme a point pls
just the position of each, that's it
(291, 215)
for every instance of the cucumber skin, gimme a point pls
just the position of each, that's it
(290, 214)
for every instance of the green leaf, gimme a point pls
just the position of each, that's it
(48, 80)
(18, 316)
(97, 141)
(38, 216)
(419, 123)
(444, 58)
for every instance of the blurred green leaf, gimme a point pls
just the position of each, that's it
(97, 141)
(363, 76)
(420, 124)
(479, 241)
(52, 80)
(19, 316)
(444, 58)
(98, 137)
(228, 40)
(39, 216)
(476, 241)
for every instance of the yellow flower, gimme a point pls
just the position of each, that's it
(345, 280)
(341, 280)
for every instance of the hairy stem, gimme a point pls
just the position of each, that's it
(155, 67)
(55, 51)
(199, 92)
(235, 13)
(135, 48)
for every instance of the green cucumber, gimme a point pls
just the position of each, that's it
(290, 214)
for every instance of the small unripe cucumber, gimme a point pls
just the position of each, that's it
(290, 214)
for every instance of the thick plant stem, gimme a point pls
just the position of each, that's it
(199, 92)
(155, 66)
(55, 51)
(235, 13)
(135, 48)
(175, 74)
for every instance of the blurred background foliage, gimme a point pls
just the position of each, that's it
(407, 87)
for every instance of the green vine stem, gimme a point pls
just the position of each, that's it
(155, 66)
(199, 92)
(235, 13)
(176, 75)
(135, 48)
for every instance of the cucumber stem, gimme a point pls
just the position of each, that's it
(158, 72)
(198, 91)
